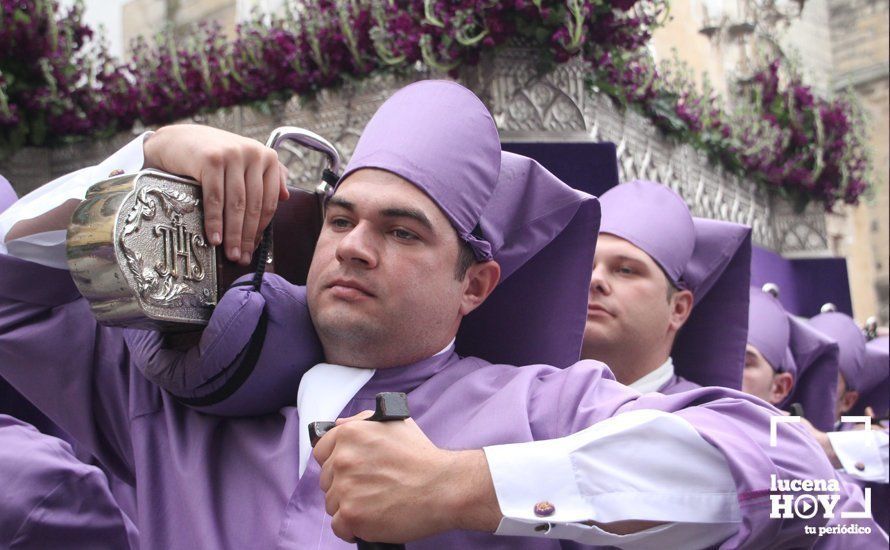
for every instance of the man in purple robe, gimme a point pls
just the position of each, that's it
(788, 361)
(11, 402)
(862, 454)
(658, 270)
(434, 243)
(50, 499)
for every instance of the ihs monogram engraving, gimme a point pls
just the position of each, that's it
(180, 247)
(182, 254)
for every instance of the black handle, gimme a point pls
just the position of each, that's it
(390, 406)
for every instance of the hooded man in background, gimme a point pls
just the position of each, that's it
(668, 303)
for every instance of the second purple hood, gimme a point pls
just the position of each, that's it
(440, 137)
(708, 257)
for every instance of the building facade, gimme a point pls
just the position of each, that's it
(840, 46)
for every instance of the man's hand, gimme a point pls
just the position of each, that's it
(387, 482)
(822, 438)
(241, 180)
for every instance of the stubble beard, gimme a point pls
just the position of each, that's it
(348, 342)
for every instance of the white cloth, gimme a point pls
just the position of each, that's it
(868, 449)
(656, 379)
(324, 392)
(49, 248)
(595, 475)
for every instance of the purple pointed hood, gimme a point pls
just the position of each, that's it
(769, 331)
(708, 257)
(859, 373)
(816, 356)
(439, 136)
(791, 345)
(7, 194)
(877, 356)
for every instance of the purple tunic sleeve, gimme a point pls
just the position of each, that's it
(250, 358)
(52, 500)
(732, 422)
(862, 532)
(55, 354)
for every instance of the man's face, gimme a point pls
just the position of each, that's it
(381, 288)
(757, 378)
(628, 301)
(846, 398)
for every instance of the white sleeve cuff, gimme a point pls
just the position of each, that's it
(49, 248)
(620, 469)
(863, 454)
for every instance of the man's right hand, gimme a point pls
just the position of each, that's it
(241, 180)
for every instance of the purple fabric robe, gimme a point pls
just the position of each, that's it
(50, 499)
(677, 384)
(11, 402)
(876, 539)
(212, 482)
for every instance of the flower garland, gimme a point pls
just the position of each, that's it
(778, 133)
(59, 83)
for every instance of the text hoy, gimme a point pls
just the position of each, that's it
(805, 505)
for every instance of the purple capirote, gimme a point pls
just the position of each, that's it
(791, 345)
(439, 136)
(710, 258)
(877, 355)
(860, 372)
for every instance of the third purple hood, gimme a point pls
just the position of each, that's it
(791, 345)
(708, 257)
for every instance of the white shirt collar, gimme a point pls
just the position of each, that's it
(656, 379)
(324, 392)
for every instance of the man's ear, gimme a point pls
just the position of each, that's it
(849, 399)
(480, 280)
(681, 308)
(781, 387)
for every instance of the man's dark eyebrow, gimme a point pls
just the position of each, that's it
(417, 215)
(341, 202)
(626, 258)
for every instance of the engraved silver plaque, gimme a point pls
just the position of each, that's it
(137, 252)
